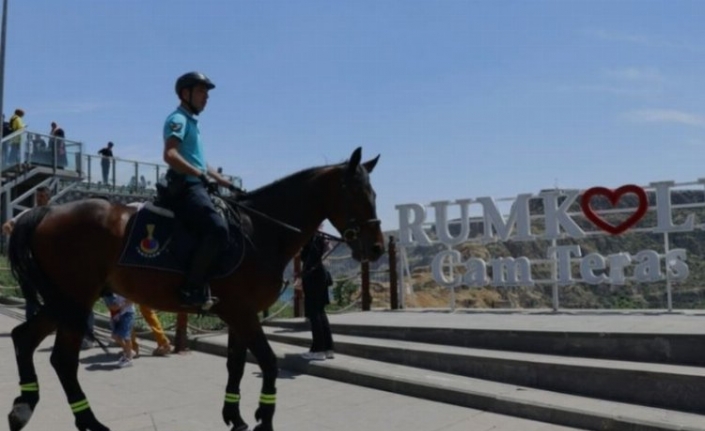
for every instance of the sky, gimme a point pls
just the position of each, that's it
(461, 99)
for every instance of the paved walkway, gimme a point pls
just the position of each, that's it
(184, 393)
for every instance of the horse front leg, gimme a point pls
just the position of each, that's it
(64, 359)
(26, 337)
(267, 361)
(237, 356)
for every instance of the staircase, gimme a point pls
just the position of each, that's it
(596, 380)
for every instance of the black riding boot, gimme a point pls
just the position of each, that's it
(195, 292)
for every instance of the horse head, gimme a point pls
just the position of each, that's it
(353, 210)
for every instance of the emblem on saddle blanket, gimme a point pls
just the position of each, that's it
(149, 246)
(156, 240)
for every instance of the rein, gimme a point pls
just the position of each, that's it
(264, 216)
(337, 239)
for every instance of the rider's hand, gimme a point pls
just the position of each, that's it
(210, 186)
(235, 191)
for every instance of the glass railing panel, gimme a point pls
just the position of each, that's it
(72, 151)
(44, 150)
(124, 174)
(147, 177)
(12, 150)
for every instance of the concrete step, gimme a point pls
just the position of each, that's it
(513, 400)
(665, 348)
(657, 385)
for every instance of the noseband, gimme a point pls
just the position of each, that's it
(353, 226)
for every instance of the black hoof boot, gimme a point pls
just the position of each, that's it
(22, 409)
(86, 421)
(19, 416)
(264, 415)
(231, 416)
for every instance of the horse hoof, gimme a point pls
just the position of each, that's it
(19, 416)
(95, 426)
(99, 427)
(241, 427)
(263, 427)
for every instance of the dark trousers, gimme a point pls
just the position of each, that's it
(194, 208)
(320, 332)
(105, 166)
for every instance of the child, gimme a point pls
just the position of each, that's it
(122, 316)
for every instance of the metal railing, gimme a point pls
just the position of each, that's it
(26, 149)
(117, 175)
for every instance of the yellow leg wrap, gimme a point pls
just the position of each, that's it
(232, 398)
(30, 387)
(268, 398)
(80, 406)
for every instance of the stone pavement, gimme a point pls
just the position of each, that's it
(185, 393)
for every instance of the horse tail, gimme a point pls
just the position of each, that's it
(32, 280)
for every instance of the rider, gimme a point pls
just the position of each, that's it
(187, 180)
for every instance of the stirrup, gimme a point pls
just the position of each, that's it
(199, 298)
(209, 303)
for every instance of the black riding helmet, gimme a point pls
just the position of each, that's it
(190, 80)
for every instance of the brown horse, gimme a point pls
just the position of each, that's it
(67, 253)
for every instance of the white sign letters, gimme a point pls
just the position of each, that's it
(450, 270)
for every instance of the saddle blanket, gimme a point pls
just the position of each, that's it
(156, 240)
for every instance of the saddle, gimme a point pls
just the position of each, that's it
(157, 240)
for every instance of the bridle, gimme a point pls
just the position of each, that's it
(351, 231)
(353, 226)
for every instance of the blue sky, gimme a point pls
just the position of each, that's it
(461, 98)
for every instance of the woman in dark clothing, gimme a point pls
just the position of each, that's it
(315, 280)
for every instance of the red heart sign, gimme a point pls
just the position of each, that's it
(614, 196)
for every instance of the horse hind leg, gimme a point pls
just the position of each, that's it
(267, 361)
(237, 356)
(26, 337)
(64, 359)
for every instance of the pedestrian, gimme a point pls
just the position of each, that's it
(57, 145)
(16, 123)
(315, 280)
(163, 345)
(122, 317)
(105, 161)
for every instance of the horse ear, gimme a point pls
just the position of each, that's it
(354, 161)
(370, 164)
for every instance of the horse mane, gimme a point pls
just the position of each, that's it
(280, 186)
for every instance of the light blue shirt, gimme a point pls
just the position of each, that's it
(182, 125)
